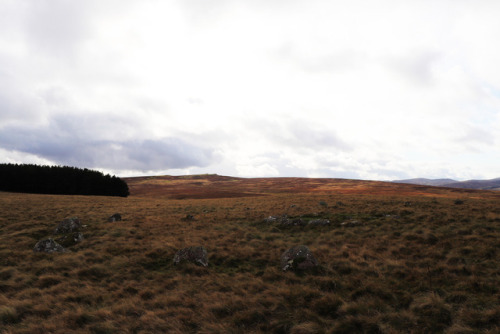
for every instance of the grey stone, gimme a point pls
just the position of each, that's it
(293, 222)
(48, 246)
(298, 258)
(188, 218)
(195, 254)
(68, 225)
(351, 223)
(271, 219)
(319, 222)
(115, 218)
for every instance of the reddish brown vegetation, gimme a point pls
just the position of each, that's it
(216, 186)
(419, 260)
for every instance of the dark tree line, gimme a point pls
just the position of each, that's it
(65, 180)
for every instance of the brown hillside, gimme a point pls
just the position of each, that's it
(216, 186)
(392, 259)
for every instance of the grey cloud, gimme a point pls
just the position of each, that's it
(476, 136)
(56, 26)
(299, 134)
(15, 103)
(307, 135)
(417, 67)
(64, 142)
(55, 96)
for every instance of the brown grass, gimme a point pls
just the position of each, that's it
(418, 263)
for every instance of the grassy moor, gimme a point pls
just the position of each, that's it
(395, 258)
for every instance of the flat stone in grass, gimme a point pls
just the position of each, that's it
(49, 246)
(351, 223)
(197, 255)
(115, 218)
(278, 219)
(298, 258)
(68, 225)
(322, 222)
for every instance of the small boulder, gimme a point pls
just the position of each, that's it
(188, 218)
(322, 222)
(68, 225)
(195, 254)
(115, 218)
(277, 219)
(298, 258)
(270, 219)
(293, 222)
(351, 223)
(48, 246)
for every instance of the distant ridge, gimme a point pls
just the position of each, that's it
(428, 182)
(493, 184)
(211, 186)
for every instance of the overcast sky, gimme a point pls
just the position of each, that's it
(376, 90)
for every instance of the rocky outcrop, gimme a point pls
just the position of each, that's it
(49, 246)
(298, 258)
(68, 232)
(197, 255)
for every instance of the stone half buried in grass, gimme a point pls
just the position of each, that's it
(115, 218)
(188, 218)
(68, 225)
(48, 246)
(70, 239)
(298, 258)
(351, 223)
(320, 222)
(195, 254)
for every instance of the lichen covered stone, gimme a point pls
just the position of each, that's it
(49, 246)
(195, 254)
(298, 258)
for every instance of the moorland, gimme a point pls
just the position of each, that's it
(395, 258)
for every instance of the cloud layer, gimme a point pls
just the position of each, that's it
(253, 88)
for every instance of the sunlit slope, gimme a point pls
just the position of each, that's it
(216, 186)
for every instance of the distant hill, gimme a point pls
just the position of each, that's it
(217, 186)
(493, 184)
(428, 182)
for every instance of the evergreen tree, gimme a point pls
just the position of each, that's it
(59, 180)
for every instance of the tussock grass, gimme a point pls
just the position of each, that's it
(414, 264)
